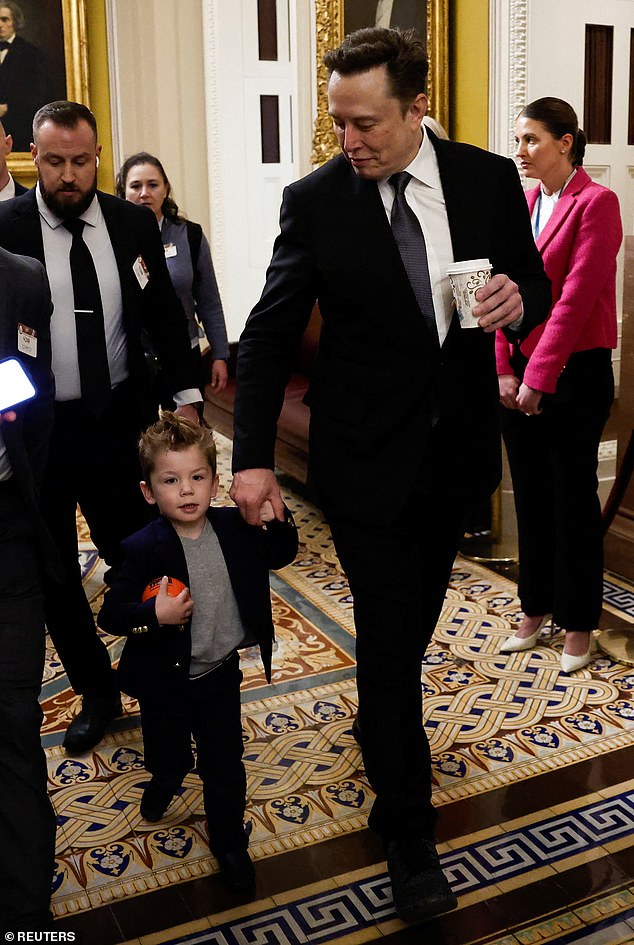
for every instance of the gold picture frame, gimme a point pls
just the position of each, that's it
(329, 20)
(75, 46)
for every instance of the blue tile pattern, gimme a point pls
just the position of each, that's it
(619, 597)
(362, 904)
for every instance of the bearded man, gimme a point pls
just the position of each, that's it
(111, 291)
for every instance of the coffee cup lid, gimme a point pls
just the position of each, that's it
(468, 265)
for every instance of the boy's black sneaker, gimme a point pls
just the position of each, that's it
(155, 801)
(237, 870)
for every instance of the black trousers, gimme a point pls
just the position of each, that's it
(27, 820)
(553, 460)
(398, 576)
(210, 711)
(92, 463)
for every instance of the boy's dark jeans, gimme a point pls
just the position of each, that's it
(211, 713)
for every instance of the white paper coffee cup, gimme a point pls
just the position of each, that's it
(466, 277)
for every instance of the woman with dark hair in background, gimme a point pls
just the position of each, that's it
(142, 180)
(557, 386)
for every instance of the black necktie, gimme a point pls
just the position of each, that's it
(411, 245)
(91, 335)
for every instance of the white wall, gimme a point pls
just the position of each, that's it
(157, 77)
(245, 193)
(186, 82)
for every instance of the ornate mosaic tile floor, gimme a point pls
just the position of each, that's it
(492, 721)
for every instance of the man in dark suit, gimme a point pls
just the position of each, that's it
(404, 408)
(27, 553)
(24, 79)
(104, 391)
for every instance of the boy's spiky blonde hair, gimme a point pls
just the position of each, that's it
(174, 433)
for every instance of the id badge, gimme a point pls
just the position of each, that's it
(141, 271)
(27, 340)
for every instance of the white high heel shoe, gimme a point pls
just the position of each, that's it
(515, 644)
(570, 664)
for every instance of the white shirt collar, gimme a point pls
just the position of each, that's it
(424, 166)
(8, 191)
(90, 215)
(554, 197)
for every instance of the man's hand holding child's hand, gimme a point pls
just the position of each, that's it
(172, 610)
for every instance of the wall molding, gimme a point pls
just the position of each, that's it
(212, 121)
(508, 68)
(113, 78)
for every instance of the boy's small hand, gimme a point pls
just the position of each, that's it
(267, 513)
(172, 610)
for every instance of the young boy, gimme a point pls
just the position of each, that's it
(180, 659)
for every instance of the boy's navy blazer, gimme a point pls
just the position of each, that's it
(159, 655)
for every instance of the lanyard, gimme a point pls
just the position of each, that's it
(538, 214)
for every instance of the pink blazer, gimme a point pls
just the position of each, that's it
(579, 245)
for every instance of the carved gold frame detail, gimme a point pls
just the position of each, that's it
(329, 33)
(76, 61)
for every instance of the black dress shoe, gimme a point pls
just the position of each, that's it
(155, 801)
(356, 731)
(89, 726)
(237, 870)
(419, 887)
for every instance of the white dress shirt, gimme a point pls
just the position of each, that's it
(57, 244)
(545, 206)
(8, 191)
(425, 197)
(3, 52)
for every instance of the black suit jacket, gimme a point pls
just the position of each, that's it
(158, 656)
(378, 379)
(25, 300)
(24, 87)
(154, 310)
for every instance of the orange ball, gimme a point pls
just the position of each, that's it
(174, 587)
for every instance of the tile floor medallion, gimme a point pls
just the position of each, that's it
(492, 720)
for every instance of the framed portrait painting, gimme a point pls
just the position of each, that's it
(43, 57)
(335, 18)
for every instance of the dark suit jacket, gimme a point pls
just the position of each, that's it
(155, 309)
(25, 299)
(19, 188)
(378, 379)
(158, 656)
(24, 87)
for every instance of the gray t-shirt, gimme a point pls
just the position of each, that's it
(216, 626)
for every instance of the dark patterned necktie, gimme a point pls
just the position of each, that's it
(411, 245)
(92, 354)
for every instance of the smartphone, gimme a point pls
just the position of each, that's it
(15, 384)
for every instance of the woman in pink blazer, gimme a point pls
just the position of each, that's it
(556, 387)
